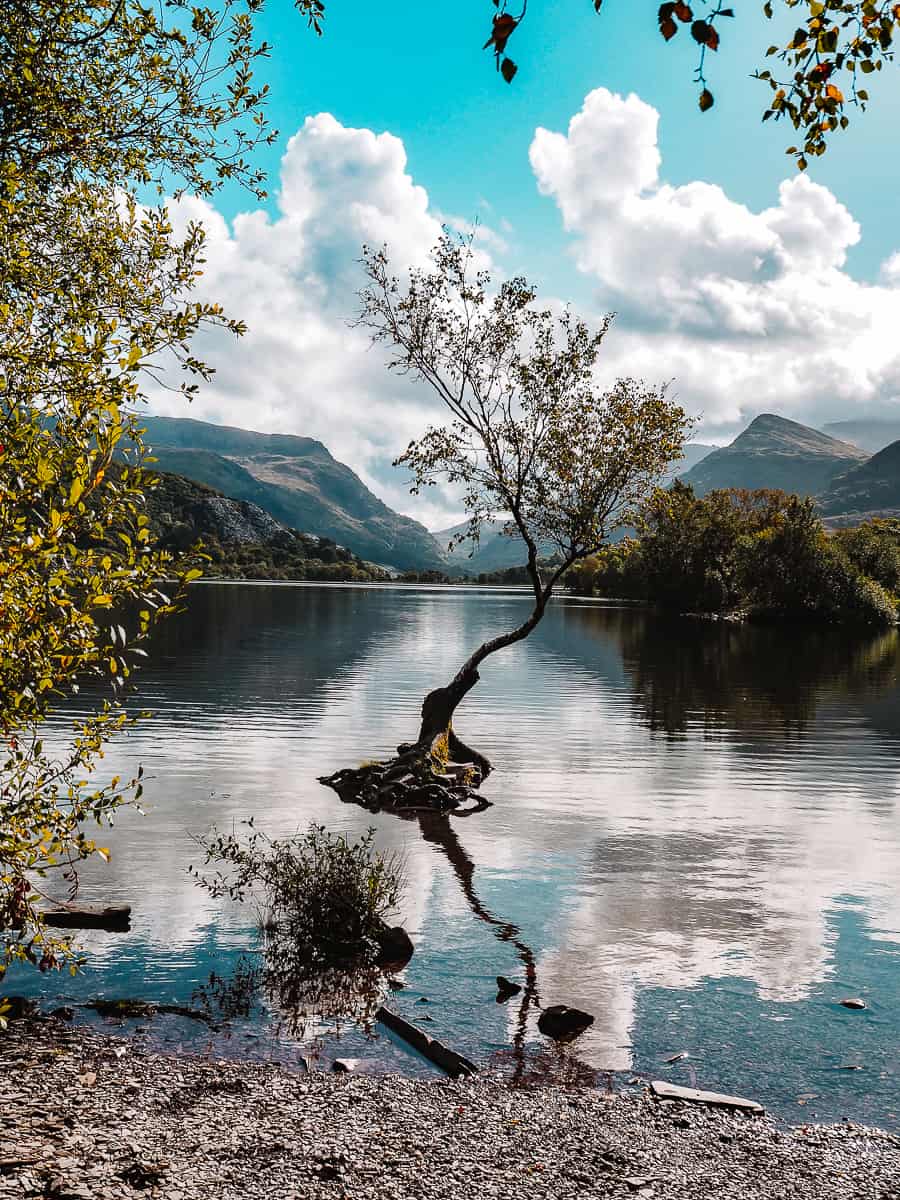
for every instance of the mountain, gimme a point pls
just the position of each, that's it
(494, 551)
(298, 481)
(774, 452)
(873, 435)
(242, 539)
(869, 490)
(694, 452)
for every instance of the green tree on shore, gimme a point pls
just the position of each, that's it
(762, 552)
(101, 105)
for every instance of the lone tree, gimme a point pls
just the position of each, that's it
(532, 441)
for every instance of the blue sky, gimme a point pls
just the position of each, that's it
(421, 74)
(752, 288)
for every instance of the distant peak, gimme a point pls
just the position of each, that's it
(771, 421)
(769, 433)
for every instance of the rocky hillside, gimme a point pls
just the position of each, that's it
(774, 452)
(298, 482)
(873, 435)
(242, 540)
(869, 490)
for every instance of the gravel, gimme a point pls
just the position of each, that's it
(83, 1115)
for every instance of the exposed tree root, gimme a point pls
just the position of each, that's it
(437, 773)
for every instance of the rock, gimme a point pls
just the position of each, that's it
(63, 1013)
(114, 918)
(563, 1023)
(506, 989)
(854, 1002)
(18, 1008)
(344, 1066)
(671, 1091)
(395, 947)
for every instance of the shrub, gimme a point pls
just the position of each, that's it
(326, 895)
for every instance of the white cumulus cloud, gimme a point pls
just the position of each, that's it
(746, 311)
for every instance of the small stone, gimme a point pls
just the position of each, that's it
(344, 1066)
(854, 1002)
(506, 989)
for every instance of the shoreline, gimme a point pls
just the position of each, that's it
(87, 1116)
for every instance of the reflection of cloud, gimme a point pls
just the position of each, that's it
(627, 859)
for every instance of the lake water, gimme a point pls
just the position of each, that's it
(695, 832)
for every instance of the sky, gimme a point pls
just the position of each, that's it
(749, 287)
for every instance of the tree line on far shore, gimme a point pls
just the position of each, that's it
(760, 553)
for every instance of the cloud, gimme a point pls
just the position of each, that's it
(293, 278)
(746, 311)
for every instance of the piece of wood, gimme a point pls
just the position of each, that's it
(671, 1091)
(115, 918)
(436, 1052)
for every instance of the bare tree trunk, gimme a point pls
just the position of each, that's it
(438, 772)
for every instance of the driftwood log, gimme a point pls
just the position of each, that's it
(115, 918)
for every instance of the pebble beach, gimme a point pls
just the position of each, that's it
(86, 1116)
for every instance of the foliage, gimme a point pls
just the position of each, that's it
(98, 100)
(532, 439)
(612, 571)
(874, 549)
(323, 901)
(763, 551)
(831, 45)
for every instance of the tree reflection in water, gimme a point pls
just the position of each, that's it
(303, 1000)
(532, 1064)
(703, 674)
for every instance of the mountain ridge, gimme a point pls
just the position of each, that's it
(775, 452)
(866, 490)
(299, 482)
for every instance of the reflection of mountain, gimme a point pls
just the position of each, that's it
(235, 643)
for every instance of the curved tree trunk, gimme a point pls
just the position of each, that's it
(438, 772)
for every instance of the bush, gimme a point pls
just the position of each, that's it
(874, 549)
(326, 895)
(322, 902)
(764, 550)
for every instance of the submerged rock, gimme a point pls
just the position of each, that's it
(344, 1066)
(854, 1002)
(506, 989)
(395, 946)
(563, 1023)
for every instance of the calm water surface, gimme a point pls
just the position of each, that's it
(695, 830)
